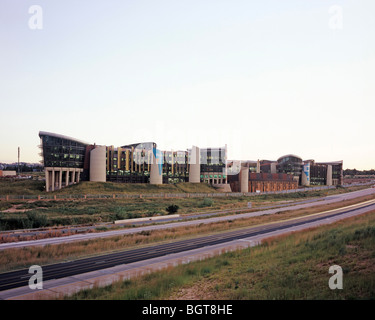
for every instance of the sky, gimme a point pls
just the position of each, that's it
(266, 78)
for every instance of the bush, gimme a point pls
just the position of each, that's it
(32, 220)
(207, 202)
(36, 220)
(173, 208)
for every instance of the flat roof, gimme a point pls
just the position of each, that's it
(331, 162)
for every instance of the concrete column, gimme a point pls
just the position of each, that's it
(98, 164)
(78, 176)
(67, 177)
(60, 178)
(306, 175)
(156, 172)
(273, 167)
(46, 173)
(258, 166)
(244, 179)
(329, 175)
(53, 179)
(194, 166)
(73, 175)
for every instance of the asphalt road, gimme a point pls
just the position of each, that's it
(20, 278)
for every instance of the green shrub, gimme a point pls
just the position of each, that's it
(32, 220)
(37, 220)
(207, 202)
(173, 208)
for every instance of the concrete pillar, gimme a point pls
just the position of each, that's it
(98, 164)
(244, 179)
(79, 175)
(56, 178)
(46, 173)
(156, 174)
(258, 166)
(67, 177)
(53, 179)
(329, 175)
(73, 175)
(60, 178)
(305, 177)
(194, 166)
(273, 167)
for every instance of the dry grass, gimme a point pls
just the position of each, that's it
(287, 267)
(17, 258)
(295, 266)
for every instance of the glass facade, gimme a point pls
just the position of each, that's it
(59, 151)
(318, 174)
(290, 164)
(175, 166)
(213, 159)
(213, 162)
(130, 163)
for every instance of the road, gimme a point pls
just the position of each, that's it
(60, 270)
(83, 237)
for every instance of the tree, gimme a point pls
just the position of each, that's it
(172, 208)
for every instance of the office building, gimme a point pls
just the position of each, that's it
(68, 161)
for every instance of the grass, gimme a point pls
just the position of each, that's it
(21, 187)
(50, 213)
(73, 212)
(87, 187)
(37, 187)
(11, 259)
(287, 268)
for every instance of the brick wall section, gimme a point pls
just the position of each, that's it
(265, 182)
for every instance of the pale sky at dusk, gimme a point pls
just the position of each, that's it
(267, 78)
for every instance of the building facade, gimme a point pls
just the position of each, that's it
(63, 160)
(68, 161)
